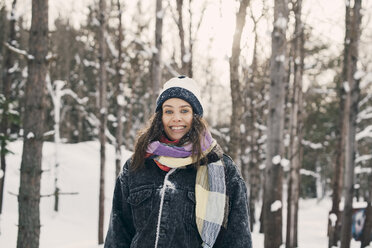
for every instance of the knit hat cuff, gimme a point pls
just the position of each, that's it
(182, 93)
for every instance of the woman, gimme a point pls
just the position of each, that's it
(179, 189)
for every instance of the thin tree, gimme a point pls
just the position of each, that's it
(156, 75)
(181, 32)
(235, 82)
(7, 80)
(275, 127)
(296, 124)
(353, 94)
(250, 161)
(102, 114)
(33, 124)
(119, 94)
(334, 220)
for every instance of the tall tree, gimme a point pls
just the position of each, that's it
(102, 114)
(334, 220)
(275, 127)
(29, 190)
(156, 75)
(235, 82)
(296, 122)
(252, 117)
(181, 33)
(7, 80)
(353, 95)
(119, 94)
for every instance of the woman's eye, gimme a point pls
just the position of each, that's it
(167, 111)
(184, 111)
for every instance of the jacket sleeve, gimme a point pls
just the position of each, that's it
(237, 233)
(121, 229)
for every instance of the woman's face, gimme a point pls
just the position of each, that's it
(177, 118)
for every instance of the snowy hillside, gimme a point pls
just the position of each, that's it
(75, 225)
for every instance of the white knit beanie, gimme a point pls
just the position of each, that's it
(184, 88)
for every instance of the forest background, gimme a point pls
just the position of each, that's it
(107, 60)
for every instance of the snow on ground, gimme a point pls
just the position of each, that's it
(76, 224)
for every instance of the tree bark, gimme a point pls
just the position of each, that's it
(119, 93)
(29, 190)
(338, 180)
(7, 81)
(275, 149)
(354, 96)
(156, 74)
(235, 84)
(296, 124)
(102, 114)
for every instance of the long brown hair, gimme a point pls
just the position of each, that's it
(154, 130)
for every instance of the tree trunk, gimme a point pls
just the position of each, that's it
(334, 220)
(119, 94)
(295, 132)
(181, 33)
(236, 88)
(102, 114)
(275, 149)
(354, 95)
(29, 190)
(191, 44)
(7, 80)
(156, 74)
(254, 134)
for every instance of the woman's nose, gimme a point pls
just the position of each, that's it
(177, 117)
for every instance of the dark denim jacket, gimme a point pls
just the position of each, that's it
(136, 205)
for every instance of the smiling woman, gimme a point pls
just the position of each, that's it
(178, 182)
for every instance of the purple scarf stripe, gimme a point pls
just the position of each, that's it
(162, 149)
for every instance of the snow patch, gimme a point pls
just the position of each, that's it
(285, 164)
(30, 135)
(276, 159)
(281, 23)
(358, 75)
(169, 185)
(280, 58)
(333, 219)
(346, 86)
(1, 173)
(121, 101)
(275, 206)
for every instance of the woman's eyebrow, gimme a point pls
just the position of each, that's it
(182, 106)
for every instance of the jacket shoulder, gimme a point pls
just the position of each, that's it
(232, 169)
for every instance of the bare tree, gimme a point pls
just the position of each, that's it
(181, 32)
(156, 74)
(250, 145)
(102, 113)
(334, 220)
(296, 123)
(235, 82)
(7, 79)
(273, 170)
(29, 190)
(353, 95)
(119, 94)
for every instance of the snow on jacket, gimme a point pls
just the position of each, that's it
(136, 206)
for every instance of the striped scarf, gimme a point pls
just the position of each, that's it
(210, 185)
